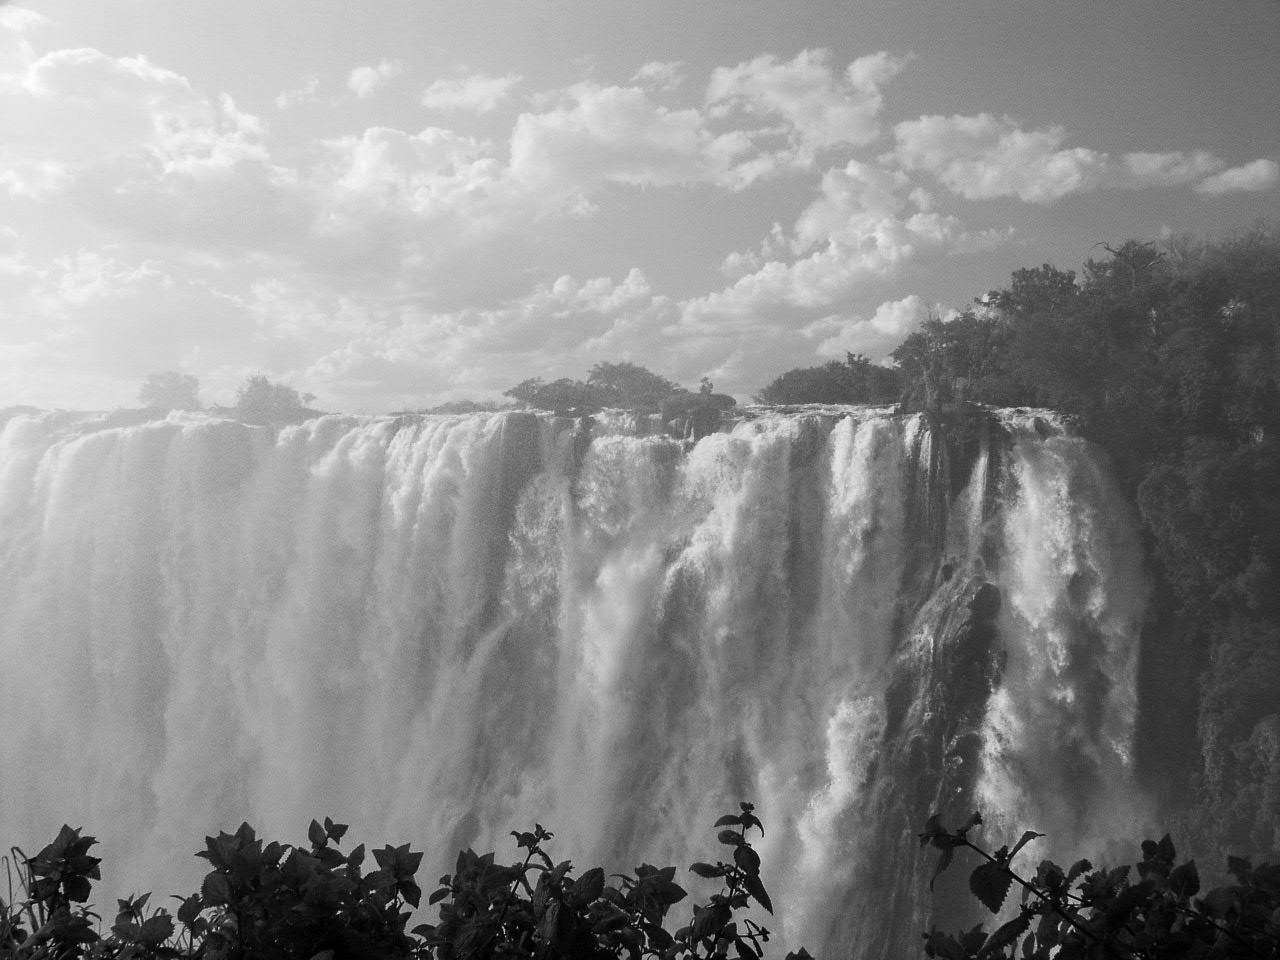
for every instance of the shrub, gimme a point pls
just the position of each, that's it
(1149, 911)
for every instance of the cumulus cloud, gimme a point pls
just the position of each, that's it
(659, 75)
(81, 107)
(479, 92)
(866, 223)
(818, 109)
(306, 92)
(363, 81)
(1166, 169)
(558, 328)
(609, 134)
(1249, 178)
(98, 324)
(891, 321)
(983, 156)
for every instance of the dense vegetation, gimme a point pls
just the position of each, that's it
(1169, 357)
(631, 387)
(276, 901)
(856, 380)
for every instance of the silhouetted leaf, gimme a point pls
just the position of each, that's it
(944, 861)
(1185, 880)
(157, 929)
(990, 884)
(1005, 935)
(589, 886)
(1026, 838)
(756, 889)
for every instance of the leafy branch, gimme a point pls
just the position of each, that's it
(1085, 912)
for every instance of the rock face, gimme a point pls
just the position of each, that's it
(439, 629)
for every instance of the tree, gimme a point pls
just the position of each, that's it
(630, 385)
(966, 358)
(260, 400)
(856, 380)
(170, 391)
(564, 397)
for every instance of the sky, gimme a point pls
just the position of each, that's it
(396, 204)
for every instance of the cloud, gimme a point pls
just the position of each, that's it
(34, 179)
(558, 329)
(866, 223)
(478, 93)
(1166, 169)
(363, 81)
(609, 134)
(306, 92)
(981, 157)
(890, 322)
(77, 108)
(816, 108)
(1250, 178)
(98, 324)
(658, 75)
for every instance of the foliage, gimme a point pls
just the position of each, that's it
(564, 397)
(856, 380)
(1168, 355)
(1087, 912)
(631, 387)
(959, 359)
(260, 400)
(275, 901)
(170, 391)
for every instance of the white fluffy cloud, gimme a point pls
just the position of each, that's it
(819, 108)
(660, 75)
(306, 92)
(80, 107)
(1249, 178)
(479, 93)
(556, 329)
(865, 224)
(983, 156)
(363, 81)
(378, 266)
(609, 134)
(891, 321)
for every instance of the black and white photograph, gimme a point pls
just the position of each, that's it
(640, 480)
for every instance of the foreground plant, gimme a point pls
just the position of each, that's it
(1082, 913)
(275, 901)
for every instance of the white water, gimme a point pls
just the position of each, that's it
(439, 630)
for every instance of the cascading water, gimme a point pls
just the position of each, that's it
(440, 629)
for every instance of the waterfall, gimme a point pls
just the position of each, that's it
(439, 629)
